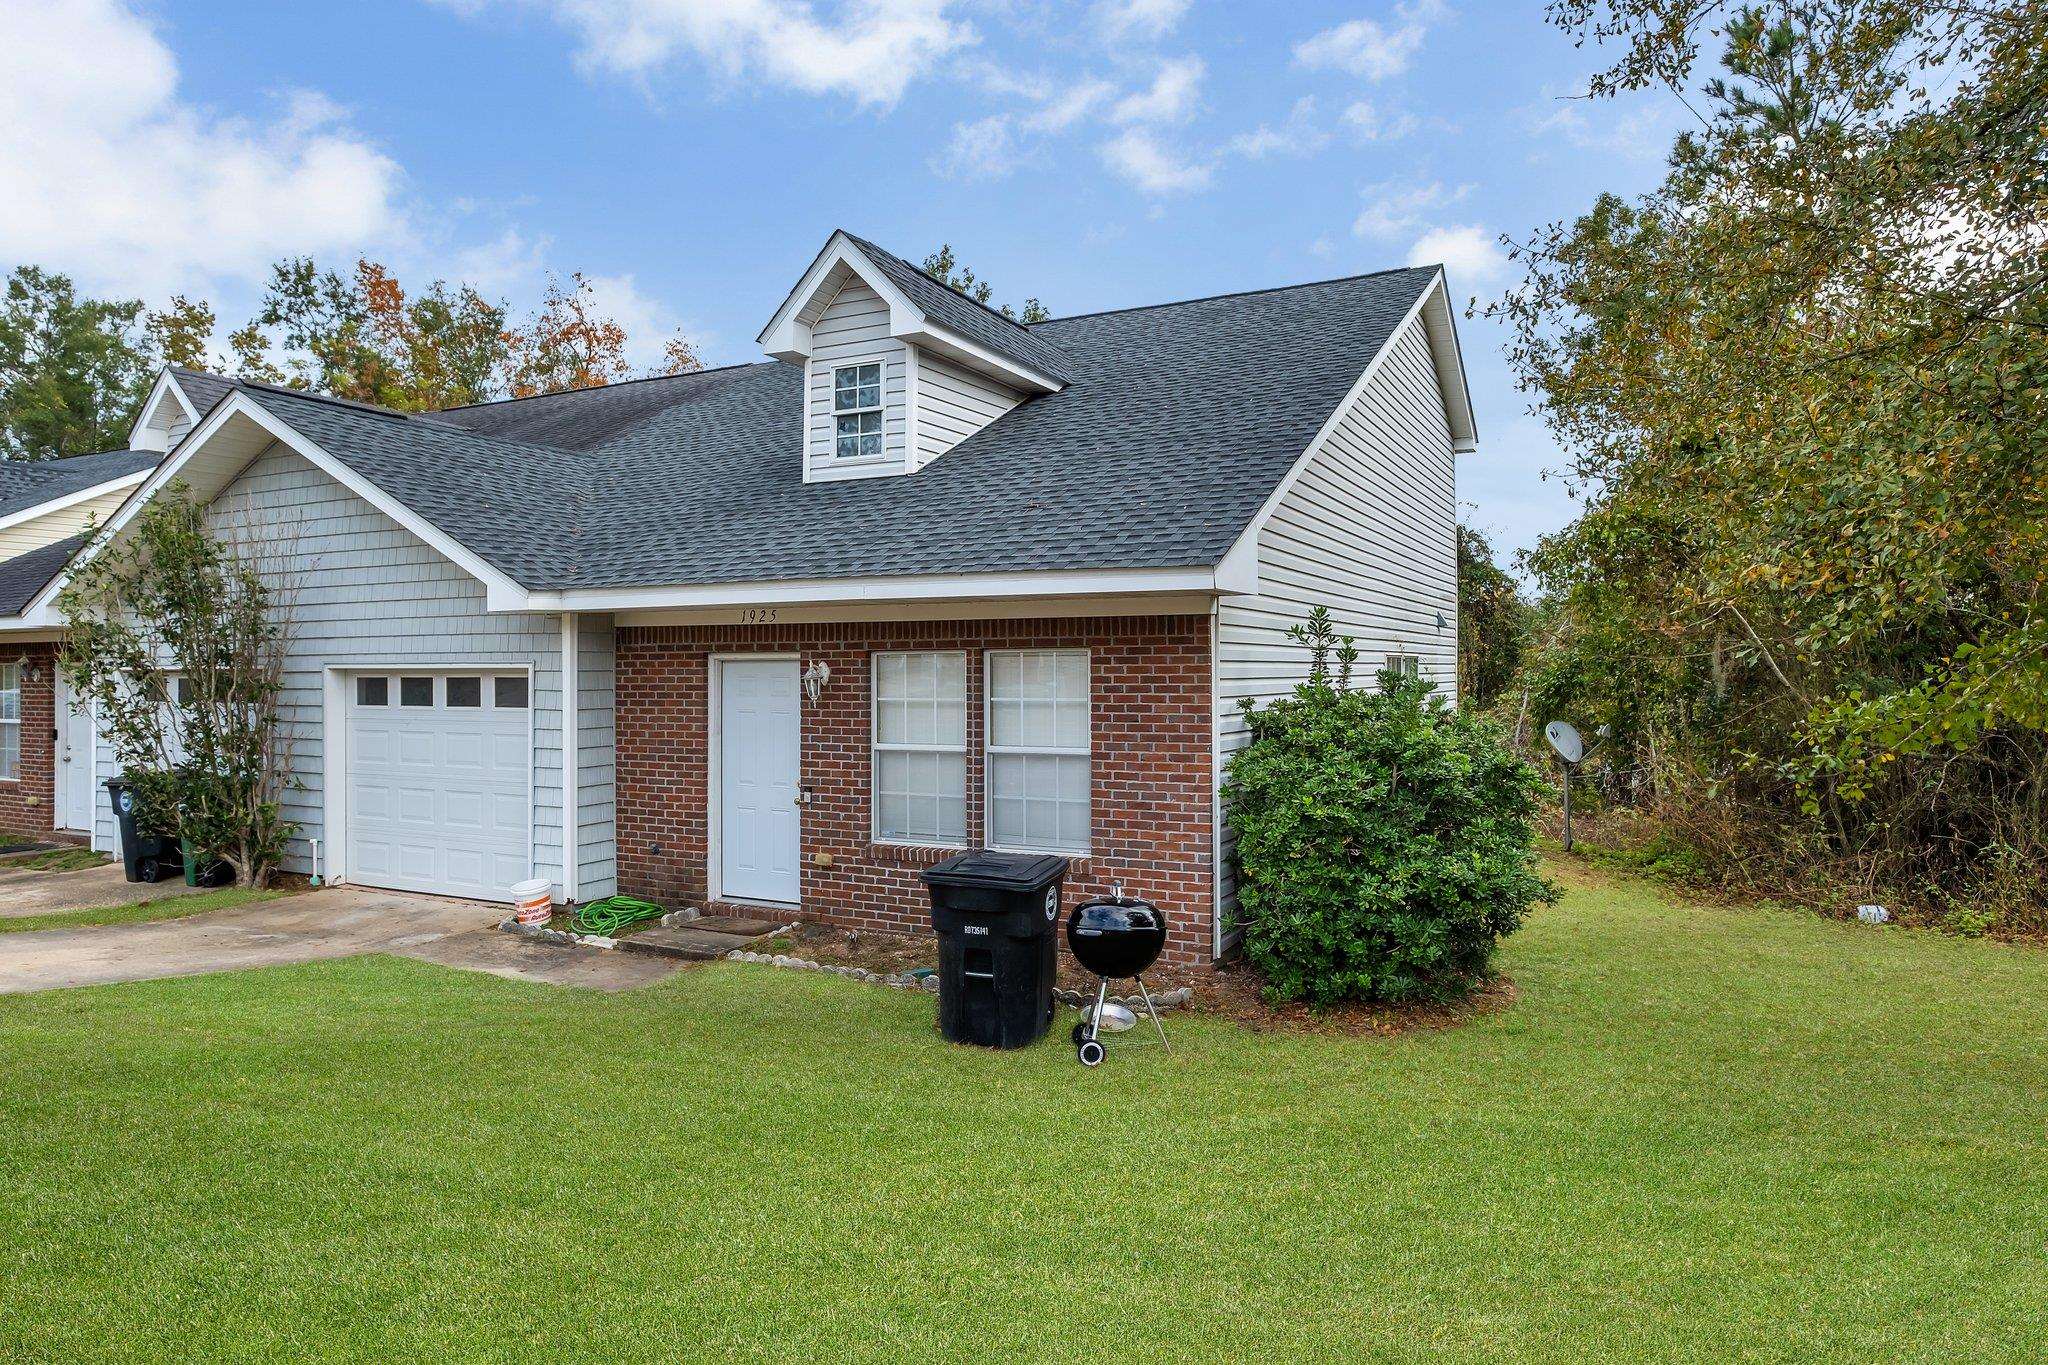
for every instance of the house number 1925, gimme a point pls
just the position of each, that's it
(758, 616)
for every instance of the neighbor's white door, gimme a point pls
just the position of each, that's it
(439, 783)
(757, 827)
(76, 778)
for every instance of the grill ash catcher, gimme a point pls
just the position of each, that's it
(1114, 936)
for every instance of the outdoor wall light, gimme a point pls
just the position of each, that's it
(815, 678)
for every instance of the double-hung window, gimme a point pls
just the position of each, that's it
(10, 722)
(921, 748)
(1038, 750)
(857, 411)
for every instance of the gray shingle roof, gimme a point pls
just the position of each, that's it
(1177, 422)
(23, 576)
(977, 322)
(26, 483)
(203, 389)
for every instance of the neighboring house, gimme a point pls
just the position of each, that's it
(926, 579)
(46, 767)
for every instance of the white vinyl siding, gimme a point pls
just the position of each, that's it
(1369, 531)
(1039, 750)
(62, 524)
(854, 330)
(10, 722)
(952, 404)
(368, 594)
(920, 748)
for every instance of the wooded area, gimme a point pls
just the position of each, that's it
(1800, 387)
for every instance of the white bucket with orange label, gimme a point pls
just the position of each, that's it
(531, 903)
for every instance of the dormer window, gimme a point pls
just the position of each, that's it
(857, 411)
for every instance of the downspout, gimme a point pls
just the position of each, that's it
(572, 765)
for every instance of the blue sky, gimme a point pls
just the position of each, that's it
(691, 155)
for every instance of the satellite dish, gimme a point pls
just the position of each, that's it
(1564, 737)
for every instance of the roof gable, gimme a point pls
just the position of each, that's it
(922, 312)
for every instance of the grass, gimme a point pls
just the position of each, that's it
(169, 907)
(55, 860)
(1698, 1133)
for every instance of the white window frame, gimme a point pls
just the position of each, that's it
(878, 409)
(876, 748)
(1404, 665)
(990, 749)
(10, 681)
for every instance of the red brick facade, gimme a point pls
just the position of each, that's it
(1151, 789)
(28, 805)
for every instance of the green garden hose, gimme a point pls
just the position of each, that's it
(614, 913)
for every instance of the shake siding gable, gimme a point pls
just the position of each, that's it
(1369, 531)
(367, 592)
(854, 329)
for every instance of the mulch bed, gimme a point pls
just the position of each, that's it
(1229, 991)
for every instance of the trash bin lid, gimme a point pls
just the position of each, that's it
(999, 871)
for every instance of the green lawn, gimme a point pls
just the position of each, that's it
(168, 907)
(1698, 1133)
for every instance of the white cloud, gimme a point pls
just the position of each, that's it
(1123, 19)
(985, 149)
(1140, 157)
(1470, 255)
(648, 321)
(1363, 120)
(1064, 106)
(107, 172)
(1368, 48)
(1392, 208)
(1644, 133)
(1300, 135)
(1175, 90)
(870, 51)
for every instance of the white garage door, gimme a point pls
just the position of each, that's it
(439, 782)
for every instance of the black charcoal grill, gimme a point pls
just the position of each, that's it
(1114, 936)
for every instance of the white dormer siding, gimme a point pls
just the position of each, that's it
(952, 403)
(854, 330)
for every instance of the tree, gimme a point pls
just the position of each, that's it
(364, 337)
(72, 370)
(1801, 384)
(181, 331)
(569, 345)
(1493, 621)
(943, 267)
(179, 639)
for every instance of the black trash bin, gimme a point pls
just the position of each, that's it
(996, 915)
(144, 857)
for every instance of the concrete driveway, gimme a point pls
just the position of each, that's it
(336, 922)
(24, 891)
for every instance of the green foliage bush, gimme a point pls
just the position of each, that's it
(1384, 840)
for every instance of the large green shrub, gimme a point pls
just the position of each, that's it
(1384, 840)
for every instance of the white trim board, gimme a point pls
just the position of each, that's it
(903, 588)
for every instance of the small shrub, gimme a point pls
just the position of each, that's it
(1384, 841)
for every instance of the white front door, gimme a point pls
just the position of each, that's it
(77, 781)
(439, 782)
(757, 827)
